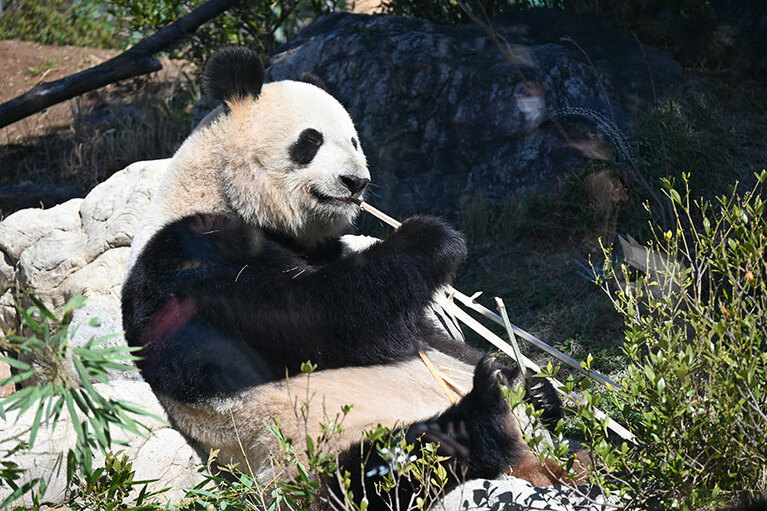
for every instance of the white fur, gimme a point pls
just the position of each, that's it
(240, 162)
(400, 393)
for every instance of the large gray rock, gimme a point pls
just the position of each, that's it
(441, 112)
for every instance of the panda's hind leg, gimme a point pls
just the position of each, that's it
(479, 434)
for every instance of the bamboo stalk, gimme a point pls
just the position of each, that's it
(512, 337)
(499, 343)
(446, 303)
(469, 301)
(484, 311)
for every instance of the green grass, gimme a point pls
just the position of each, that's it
(531, 250)
(714, 127)
(59, 22)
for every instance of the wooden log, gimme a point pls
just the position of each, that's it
(138, 60)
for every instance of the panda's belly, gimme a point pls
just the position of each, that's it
(390, 395)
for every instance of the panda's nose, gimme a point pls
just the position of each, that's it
(354, 184)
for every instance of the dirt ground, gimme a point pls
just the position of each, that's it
(24, 65)
(67, 149)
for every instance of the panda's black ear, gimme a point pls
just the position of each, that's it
(233, 72)
(314, 80)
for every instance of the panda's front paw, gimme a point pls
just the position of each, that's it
(451, 438)
(436, 241)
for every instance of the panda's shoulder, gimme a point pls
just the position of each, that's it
(202, 237)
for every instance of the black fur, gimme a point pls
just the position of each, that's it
(314, 80)
(219, 306)
(474, 433)
(277, 305)
(233, 72)
(303, 150)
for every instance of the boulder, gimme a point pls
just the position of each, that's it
(79, 247)
(443, 114)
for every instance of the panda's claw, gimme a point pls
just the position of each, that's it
(543, 396)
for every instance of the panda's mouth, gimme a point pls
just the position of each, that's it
(326, 199)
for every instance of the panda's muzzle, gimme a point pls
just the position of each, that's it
(355, 185)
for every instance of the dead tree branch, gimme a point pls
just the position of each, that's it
(138, 60)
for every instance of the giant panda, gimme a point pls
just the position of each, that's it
(239, 275)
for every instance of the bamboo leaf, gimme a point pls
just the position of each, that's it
(84, 376)
(18, 377)
(76, 302)
(18, 492)
(42, 308)
(15, 363)
(36, 424)
(100, 429)
(74, 417)
(27, 318)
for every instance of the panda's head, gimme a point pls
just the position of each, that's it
(290, 157)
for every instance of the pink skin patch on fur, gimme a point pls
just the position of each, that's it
(169, 320)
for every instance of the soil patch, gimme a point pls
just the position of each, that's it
(27, 64)
(65, 150)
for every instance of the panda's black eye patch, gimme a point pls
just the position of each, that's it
(354, 143)
(304, 149)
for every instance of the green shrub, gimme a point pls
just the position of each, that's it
(76, 22)
(695, 389)
(59, 380)
(261, 24)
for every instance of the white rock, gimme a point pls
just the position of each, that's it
(44, 266)
(511, 493)
(24, 228)
(7, 272)
(112, 210)
(9, 320)
(80, 246)
(102, 276)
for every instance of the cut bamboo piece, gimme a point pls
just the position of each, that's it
(447, 303)
(499, 343)
(512, 337)
(471, 303)
(441, 380)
